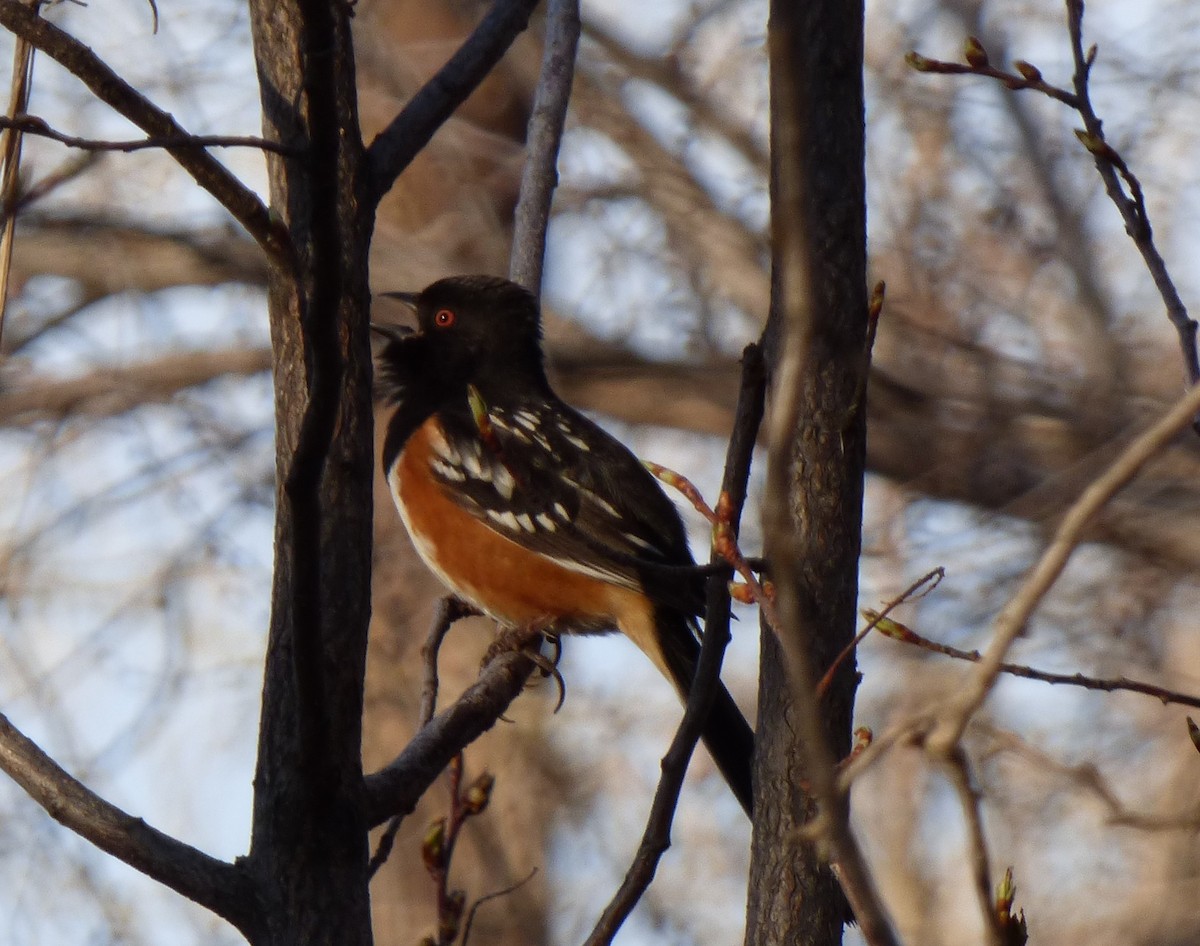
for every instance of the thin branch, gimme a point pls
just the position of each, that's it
(1131, 206)
(394, 148)
(449, 610)
(657, 836)
(1012, 620)
(906, 635)
(494, 895)
(22, 78)
(542, 141)
(959, 771)
(1030, 80)
(1120, 183)
(398, 787)
(33, 125)
(221, 887)
(874, 618)
(110, 88)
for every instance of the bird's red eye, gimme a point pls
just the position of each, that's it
(443, 318)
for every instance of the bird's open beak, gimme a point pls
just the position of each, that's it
(408, 298)
(392, 330)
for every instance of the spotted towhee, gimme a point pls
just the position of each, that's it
(524, 507)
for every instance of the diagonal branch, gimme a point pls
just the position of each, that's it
(398, 787)
(110, 88)
(394, 148)
(657, 836)
(221, 887)
(1012, 620)
(542, 143)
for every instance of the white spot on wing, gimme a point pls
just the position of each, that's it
(448, 472)
(638, 541)
(504, 518)
(603, 504)
(441, 446)
(503, 481)
(525, 522)
(561, 511)
(581, 444)
(546, 522)
(474, 467)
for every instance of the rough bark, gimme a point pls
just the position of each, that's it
(815, 341)
(308, 849)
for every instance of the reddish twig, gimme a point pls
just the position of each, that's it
(724, 540)
(437, 850)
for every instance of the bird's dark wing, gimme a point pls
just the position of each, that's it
(547, 478)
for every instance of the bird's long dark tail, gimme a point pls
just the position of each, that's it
(728, 736)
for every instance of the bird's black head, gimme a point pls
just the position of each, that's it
(481, 330)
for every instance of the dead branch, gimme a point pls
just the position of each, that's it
(33, 125)
(223, 888)
(546, 122)
(395, 147)
(1012, 620)
(110, 88)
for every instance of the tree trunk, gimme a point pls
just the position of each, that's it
(818, 327)
(309, 843)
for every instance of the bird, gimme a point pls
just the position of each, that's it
(525, 508)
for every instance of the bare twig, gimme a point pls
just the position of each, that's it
(542, 141)
(933, 579)
(10, 183)
(1033, 80)
(33, 125)
(110, 88)
(1131, 206)
(221, 887)
(449, 610)
(906, 635)
(959, 771)
(394, 148)
(1012, 620)
(657, 836)
(494, 895)
(1120, 183)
